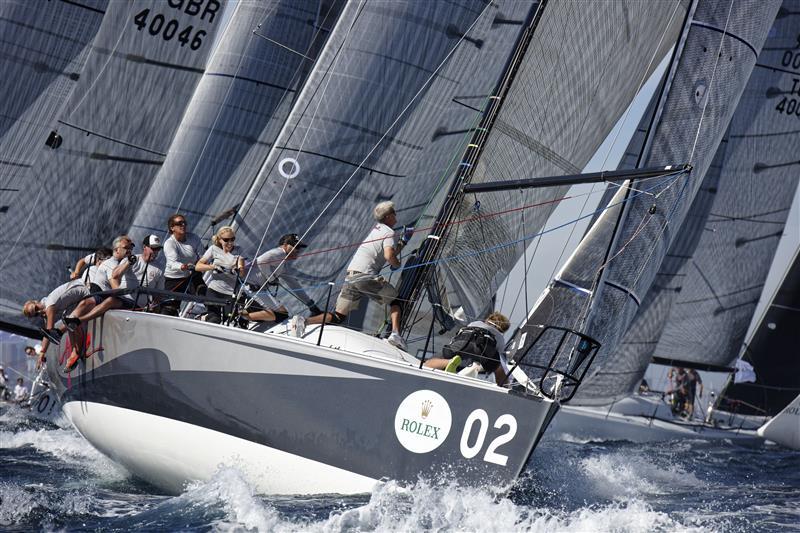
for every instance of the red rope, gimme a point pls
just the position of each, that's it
(454, 223)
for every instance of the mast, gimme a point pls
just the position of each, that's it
(646, 147)
(412, 286)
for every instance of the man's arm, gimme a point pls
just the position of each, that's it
(390, 254)
(76, 272)
(117, 273)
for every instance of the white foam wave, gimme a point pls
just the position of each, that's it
(66, 445)
(228, 488)
(625, 475)
(423, 507)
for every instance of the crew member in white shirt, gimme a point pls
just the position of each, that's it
(271, 275)
(182, 250)
(363, 275)
(223, 261)
(92, 276)
(20, 391)
(124, 271)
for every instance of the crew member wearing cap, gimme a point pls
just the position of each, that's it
(182, 250)
(128, 271)
(363, 274)
(271, 275)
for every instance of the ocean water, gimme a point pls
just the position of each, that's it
(51, 479)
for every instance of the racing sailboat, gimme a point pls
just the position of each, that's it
(292, 411)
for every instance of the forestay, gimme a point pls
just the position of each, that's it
(239, 106)
(382, 115)
(571, 88)
(707, 80)
(116, 128)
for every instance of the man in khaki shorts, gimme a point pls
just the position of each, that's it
(363, 278)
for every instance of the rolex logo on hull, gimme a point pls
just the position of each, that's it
(422, 421)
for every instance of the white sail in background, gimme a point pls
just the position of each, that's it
(239, 106)
(116, 129)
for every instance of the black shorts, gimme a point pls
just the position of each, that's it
(127, 303)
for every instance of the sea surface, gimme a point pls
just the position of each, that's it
(51, 479)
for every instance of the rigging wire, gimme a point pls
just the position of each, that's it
(667, 182)
(421, 90)
(602, 166)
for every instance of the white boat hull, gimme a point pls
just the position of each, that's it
(635, 421)
(170, 454)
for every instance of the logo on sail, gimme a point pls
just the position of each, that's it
(422, 421)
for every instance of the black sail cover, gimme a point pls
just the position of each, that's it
(571, 88)
(241, 102)
(115, 130)
(42, 52)
(774, 354)
(386, 108)
(690, 122)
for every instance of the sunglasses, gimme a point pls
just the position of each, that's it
(230, 239)
(181, 223)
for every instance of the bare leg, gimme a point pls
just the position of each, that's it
(317, 319)
(437, 363)
(394, 314)
(100, 309)
(259, 316)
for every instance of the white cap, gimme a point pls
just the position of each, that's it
(153, 241)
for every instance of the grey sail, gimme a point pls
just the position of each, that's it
(115, 130)
(42, 53)
(562, 103)
(718, 289)
(380, 117)
(715, 62)
(236, 112)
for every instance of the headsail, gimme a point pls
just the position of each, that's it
(702, 92)
(569, 91)
(115, 129)
(242, 100)
(42, 53)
